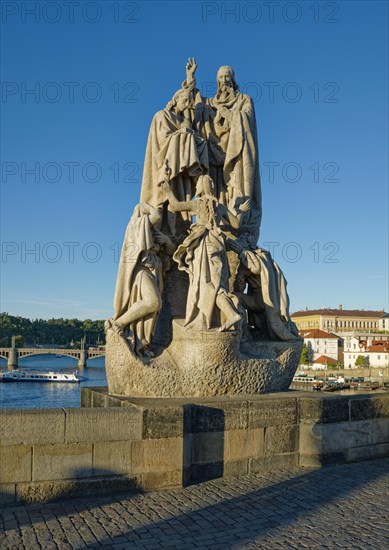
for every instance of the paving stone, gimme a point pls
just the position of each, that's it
(342, 506)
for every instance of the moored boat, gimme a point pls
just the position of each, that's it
(25, 375)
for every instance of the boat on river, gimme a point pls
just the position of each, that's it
(32, 375)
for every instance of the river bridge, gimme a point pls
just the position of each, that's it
(13, 354)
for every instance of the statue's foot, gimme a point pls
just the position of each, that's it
(230, 322)
(118, 328)
(108, 324)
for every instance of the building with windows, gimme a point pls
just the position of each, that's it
(375, 354)
(383, 323)
(323, 347)
(340, 321)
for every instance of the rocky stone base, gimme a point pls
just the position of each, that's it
(201, 363)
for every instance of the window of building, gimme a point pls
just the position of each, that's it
(378, 357)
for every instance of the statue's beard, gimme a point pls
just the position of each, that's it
(224, 90)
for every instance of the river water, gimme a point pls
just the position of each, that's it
(31, 395)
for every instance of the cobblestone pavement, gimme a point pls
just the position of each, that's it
(335, 507)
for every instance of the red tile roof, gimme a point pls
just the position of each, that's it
(340, 313)
(317, 333)
(324, 360)
(378, 349)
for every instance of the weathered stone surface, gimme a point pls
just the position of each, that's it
(47, 491)
(234, 414)
(291, 509)
(325, 459)
(345, 435)
(207, 447)
(275, 462)
(161, 480)
(112, 458)
(15, 463)
(272, 412)
(86, 397)
(369, 407)
(281, 439)
(322, 444)
(324, 409)
(380, 430)
(156, 455)
(367, 452)
(205, 472)
(7, 494)
(243, 444)
(202, 363)
(162, 421)
(30, 426)
(62, 461)
(99, 424)
(331, 438)
(311, 439)
(236, 468)
(200, 418)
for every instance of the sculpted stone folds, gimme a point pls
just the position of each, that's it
(199, 215)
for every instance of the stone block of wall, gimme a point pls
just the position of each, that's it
(15, 463)
(89, 425)
(70, 461)
(32, 426)
(281, 439)
(366, 407)
(243, 444)
(112, 458)
(272, 412)
(157, 455)
(323, 409)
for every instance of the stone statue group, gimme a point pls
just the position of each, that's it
(194, 233)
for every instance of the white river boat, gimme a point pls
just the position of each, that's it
(24, 375)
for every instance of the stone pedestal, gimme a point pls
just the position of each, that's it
(201, 363)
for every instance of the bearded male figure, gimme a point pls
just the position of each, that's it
(227, 121)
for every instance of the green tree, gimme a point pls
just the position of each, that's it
(360, 361)
(304, 358)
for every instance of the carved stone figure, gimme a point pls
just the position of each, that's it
(173, 140)
(203, 256)
(138, 290)
(200, 310)
(228, 124)
(266, 300)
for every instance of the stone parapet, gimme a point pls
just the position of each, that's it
(135, 443)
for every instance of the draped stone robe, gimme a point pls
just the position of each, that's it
(233, 153)
(187, 157)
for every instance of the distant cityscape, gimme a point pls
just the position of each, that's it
(333, 338)
(346, 338)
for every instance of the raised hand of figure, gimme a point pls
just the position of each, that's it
(191, 67)
(245, 207)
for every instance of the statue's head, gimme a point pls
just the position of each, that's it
(181, 100)
(204, 186)
(226, 79)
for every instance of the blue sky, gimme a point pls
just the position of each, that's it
(317, 72)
